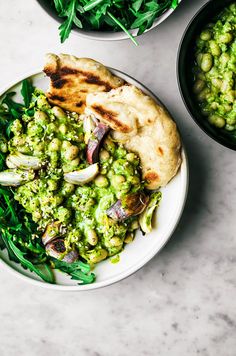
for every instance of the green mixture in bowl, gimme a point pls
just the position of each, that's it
(215, 71)
(82, 193)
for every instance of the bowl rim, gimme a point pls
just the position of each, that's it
(184, 171)
(180, 80)
(108, 35)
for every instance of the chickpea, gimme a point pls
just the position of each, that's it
(41, 118)
(51, 128)
(71, 153)
(63, 129)
(104, 155)
(42, 102)
(217, 82)
(224, 58)
(117, 180)
(65, 144)
(129, 238)
(101, 181)
(115, 242)
(58, 112)
(16, 127)
(230, 96)
(131, 157)
(54, 145)
(18, 141)
(92, 237)
(97, 256)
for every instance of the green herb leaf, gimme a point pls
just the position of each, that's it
(111, 15)
(66, 26)
(27, 90)
(46, 275)
(77, 270)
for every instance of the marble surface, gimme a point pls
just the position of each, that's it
(182, 302)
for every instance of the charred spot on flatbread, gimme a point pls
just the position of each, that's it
(73, 78)
(149, 130)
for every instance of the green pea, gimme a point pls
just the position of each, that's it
(230, 127)
(207, 62)
(226, 38)
(216, 120)
(224, 58)
(198, 86)
(231, 121)
(205, 35)
(215, 48)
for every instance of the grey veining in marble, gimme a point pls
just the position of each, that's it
(183, 302)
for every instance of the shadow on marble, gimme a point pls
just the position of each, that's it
(194, 210)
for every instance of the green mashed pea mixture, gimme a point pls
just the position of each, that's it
(215, 71)
(57, 139)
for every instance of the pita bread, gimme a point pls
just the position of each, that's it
(143, 127)
(71, 79)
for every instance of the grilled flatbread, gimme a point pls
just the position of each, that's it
(143, 127)
(71, 79)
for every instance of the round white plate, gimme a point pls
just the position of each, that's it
(143, 248)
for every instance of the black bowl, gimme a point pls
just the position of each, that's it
(185, 65)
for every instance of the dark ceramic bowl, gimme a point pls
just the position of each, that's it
(185, 64)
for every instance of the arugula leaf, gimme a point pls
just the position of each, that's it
(47, 277)
(60, 5)
(110, 14)
(27, 90)
(77, 270)
(66, 26)
(123, 28)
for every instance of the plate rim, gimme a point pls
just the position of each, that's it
(184, 171)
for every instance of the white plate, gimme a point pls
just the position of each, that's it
(143, 248)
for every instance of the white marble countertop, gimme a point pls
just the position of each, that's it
(181, 303)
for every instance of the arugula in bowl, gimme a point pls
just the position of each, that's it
(110, 15)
